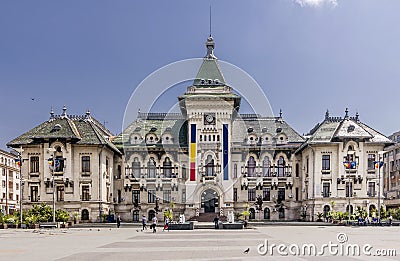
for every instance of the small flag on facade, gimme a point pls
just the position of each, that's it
(353, 164)
(50, 161)
(18, 162)
(378, 164)
(57, 163)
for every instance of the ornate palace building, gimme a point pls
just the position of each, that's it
(208, 159)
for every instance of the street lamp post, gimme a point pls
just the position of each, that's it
(380, 163)
(52, 150)
(20, 185)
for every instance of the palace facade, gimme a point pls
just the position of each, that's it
(207, 160)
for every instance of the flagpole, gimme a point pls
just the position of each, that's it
(20, 185)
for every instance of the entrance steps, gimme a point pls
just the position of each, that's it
(208, 217)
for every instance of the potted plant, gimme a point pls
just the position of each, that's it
(319, 216)
(10, 220)
(63, 217)
(76, 217)
(2, 221)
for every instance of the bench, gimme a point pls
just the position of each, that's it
(48, 225)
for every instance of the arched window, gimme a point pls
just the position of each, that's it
(152, 214)
(209, 166)
(351, 209)
(265, 166)
(281, 213)
(167, 167)
(151, 168)
(85, 214)
(252, 213)
(327, 208)
(297, 170)
(135, 216)
(267, 213)
(235, 171)
(136, 167)
(281, 167)
(251, 166)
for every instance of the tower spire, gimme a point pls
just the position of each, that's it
(210, 21)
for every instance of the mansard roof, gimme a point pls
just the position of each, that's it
(262, 126)
(337, 129)
(158, 124)
(77, 129)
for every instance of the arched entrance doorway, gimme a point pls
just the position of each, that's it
(152, 214)
(209, 200)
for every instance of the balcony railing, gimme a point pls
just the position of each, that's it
(273, 171)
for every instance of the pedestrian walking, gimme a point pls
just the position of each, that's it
(166, 225)
(118, 221)
(154, 224)
(144, 222)
(216, 220)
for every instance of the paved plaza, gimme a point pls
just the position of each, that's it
(202, 244)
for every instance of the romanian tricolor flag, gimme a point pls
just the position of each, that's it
(346, 164)
(18, 162)
(378, 164)
(192, 152)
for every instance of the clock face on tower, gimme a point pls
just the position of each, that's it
(209, 118)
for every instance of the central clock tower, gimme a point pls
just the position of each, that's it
(209, 106)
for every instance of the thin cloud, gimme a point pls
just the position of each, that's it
(316, 3)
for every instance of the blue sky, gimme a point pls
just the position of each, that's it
(92, 54)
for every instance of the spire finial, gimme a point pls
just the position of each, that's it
(347, 113)
(327, 114)
(51, 113)
(210, 21)
(64, 111)
(280, 113)
(357, 115)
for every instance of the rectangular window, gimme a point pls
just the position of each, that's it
(107, 166)
(151, 196)
(326, 162)
(60, 193)
(34, 164)
(166, 196)
(297, 194)
(85, 193)
(10, 196)
(3, 183)
(10, 185)
(266, 194)
(326, 189)
(307, 165)
(136, 196)
(184, 172)
(235, 195)
(349, 189)
(371, 160)
(16, 186)
(281, 194)
(371, 189)
(85, 163)
(183, 195)
(251, 194)
(34, 194)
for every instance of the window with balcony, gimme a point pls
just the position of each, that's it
(251, 193)
(251, 167)
(85, 160)
(326, 163)
(167, 168)
(136, 167)
(151, 168)
(265, 167)
(34, 164)
(281, 167)
(85, 193)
